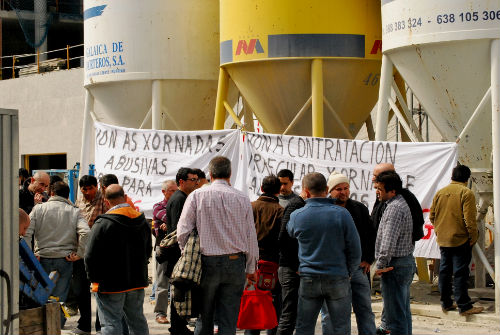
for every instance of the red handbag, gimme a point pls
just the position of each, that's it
(257, 310)
(267, 275)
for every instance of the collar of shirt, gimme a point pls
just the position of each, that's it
(220, 181)
(315, 201)
(118, 206)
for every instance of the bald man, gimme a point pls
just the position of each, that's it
(32, 194)
(116, 261)
(411, 200)
(24, 222)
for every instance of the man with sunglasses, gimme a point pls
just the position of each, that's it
(187, 182)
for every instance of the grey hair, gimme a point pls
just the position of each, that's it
(220, 167)
(167, 183)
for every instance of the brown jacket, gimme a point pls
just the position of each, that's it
(453, 213)
(267, 214)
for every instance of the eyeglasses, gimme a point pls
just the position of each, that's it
(193, 179)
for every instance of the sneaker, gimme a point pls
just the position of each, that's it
(473, 310)
(78, 331)
(382, 331)
(449, 308)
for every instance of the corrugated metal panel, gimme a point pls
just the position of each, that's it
(9, 225)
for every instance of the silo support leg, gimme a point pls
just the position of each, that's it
(317, 97)
(298, 116)
(384, 92)
(476, 113)
(495, 137)
(156, 105)
(220, 111)
(86, 134)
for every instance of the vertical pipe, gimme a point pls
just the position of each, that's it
(220, 111)
(383, 96)
(13, 67)
(157, 103)
(38, 61)
(67, 57)
(317, 97)
(40, 9)
(495, 137)
(86, 134)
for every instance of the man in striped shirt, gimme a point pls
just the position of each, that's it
(223, 218)
(394, 253)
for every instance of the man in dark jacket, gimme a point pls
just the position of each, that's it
(31, 193)
(187, 182)
(412, 201)
(288, 270)
(267, 214)
(338, 186)
(116, 261)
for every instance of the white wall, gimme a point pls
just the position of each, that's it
(51, 109)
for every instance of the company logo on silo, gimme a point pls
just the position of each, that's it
(249, 48)
(93, 12)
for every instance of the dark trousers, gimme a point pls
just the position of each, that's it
(177, 324)
(80, 286)
(289, 281)
(454, 267)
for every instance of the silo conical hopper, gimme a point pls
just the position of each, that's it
(287, 56)
(153, 54)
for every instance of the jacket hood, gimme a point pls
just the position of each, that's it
(126, 216)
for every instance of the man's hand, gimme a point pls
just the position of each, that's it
(38, 198)
(73, 257)
(252, 277)
(379, 272)
(163, 226)
(365, 266)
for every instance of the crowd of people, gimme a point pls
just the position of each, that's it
(323, 245)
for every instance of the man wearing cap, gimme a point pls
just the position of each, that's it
(338, 187)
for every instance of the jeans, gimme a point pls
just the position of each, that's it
(455, 264)
(277, 307)
(361, 304)
(162, 285)
(65, 269)
(317, 289)
(289, 281)
(113, 307)
(395, 286)
(222, 283)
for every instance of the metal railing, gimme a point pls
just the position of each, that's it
(33, 60)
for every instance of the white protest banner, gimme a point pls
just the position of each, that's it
(423, 167)
(142, 158)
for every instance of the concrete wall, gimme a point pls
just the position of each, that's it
(50, 112)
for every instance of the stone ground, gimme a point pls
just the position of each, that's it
(427, 315)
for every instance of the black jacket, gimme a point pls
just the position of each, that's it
(288, 246)
(118, 252)
(26, 199)
(174, 211)
(415, 209)
(366, 231)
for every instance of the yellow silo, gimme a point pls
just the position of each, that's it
(288, 57)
